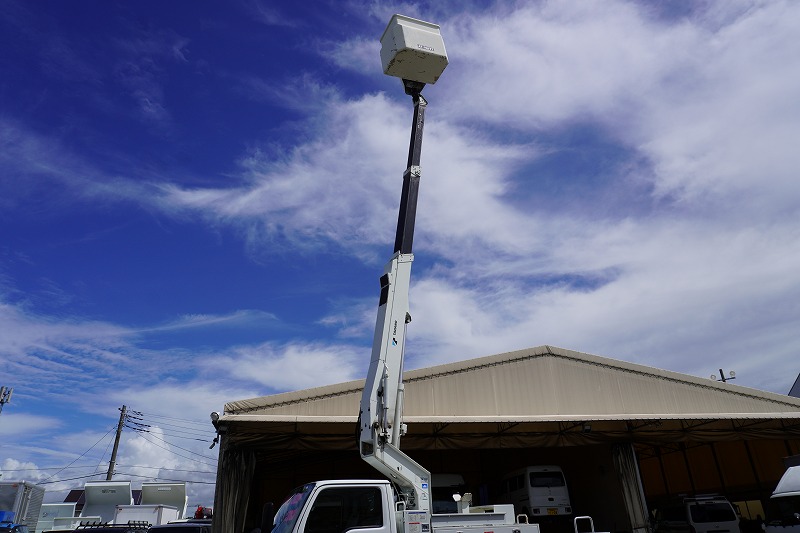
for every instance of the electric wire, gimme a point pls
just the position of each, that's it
(142, 428)
(142, 431)
(192, 430)
(101, 457)
(41, 469)
(184, 449)
(165, 479)
(81, 455)
(139, 413)
(46, 468)
(168, 434)
(184, 432)
(135, 420)
(65, 479)
(176, 429)
(176, 453)
(170, 469)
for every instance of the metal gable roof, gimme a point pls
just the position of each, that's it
(536, 384)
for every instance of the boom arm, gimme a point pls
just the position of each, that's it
(381, 415)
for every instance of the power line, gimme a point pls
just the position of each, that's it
(93, 466)
(170, 469)
(66, 479)
(139, 429)
(176, 429)
(187, 438)
(176, 453)
(144, 430)
(46, 468)
(167, 417)
(184, 449)
(101, 457)
(192, 431)
(175, 480)
(84, 453)
(161, 423)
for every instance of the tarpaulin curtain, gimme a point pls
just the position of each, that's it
(234, 480)
(632, 492)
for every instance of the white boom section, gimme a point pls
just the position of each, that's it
(381, 417)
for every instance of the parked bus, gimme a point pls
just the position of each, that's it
(539, 492)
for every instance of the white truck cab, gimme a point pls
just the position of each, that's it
(372, 506)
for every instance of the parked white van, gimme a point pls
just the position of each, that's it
(701, 514)
(540, 492)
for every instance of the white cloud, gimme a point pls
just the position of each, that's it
(733, 139)
(185, 397)
(709, 100)
(706, 107)
(155, 456)
(295, 365)
(28, 424)
(241, 318)
(12, 469)
(675, 302)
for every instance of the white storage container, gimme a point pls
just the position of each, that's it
(152, 514)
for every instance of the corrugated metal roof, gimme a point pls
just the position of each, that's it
(537, 384)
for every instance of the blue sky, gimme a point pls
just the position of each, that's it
(197, 200)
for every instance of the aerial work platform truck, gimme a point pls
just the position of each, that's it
(412, 50)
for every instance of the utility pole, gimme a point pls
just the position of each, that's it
(5, 396)
(123, 413)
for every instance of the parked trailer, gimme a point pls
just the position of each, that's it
(20, 503)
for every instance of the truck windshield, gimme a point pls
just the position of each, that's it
(289, 511)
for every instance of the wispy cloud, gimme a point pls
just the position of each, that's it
(304, 93)
(295, 365)
(269, 15)
(141, 69)
(27, 424)
(235, 319)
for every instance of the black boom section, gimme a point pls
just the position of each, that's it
(404, 238)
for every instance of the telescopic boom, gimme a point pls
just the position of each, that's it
(408, 46)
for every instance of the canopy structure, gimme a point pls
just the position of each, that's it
(662, 432)
(542, 396)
